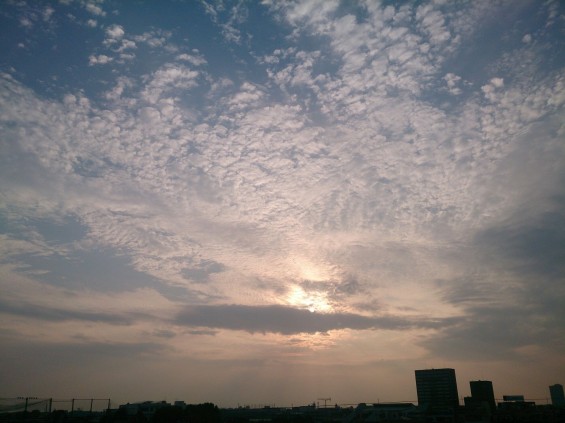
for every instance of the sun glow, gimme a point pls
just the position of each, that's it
(313, 301)
(309, 270)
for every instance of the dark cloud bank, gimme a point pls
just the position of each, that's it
(288, 320)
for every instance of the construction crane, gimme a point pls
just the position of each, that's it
(325, 401)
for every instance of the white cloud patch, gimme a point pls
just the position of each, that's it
(228, 18)
(126, 45)
(193, 59)
(113, 34)
(95, 9)
(100, 59)
(169, 79)
(26, 22)
(312, 10)
(48, 13)
(497, 82)
(453, 81)
(127, 57)
(491, 89)
(154, 39)
(248, 95)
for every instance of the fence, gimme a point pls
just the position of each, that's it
(23, 404)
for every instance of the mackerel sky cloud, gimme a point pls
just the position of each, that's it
(278, 201)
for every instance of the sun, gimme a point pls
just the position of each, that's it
(313, 301)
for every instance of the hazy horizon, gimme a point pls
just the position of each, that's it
(273, 202)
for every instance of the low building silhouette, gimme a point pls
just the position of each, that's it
(148, 408)
(384, 413)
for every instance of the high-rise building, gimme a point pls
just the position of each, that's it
(557, 396)
(481, 390)
(437, 388)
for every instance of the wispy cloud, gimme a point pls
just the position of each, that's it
(55, 315)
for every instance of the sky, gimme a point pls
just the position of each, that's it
(272, 202)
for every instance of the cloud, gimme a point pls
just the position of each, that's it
(125, 45)
(452, 81)
(287, 320)
(228, 18)
(52, 358)
(155, 38)
(432, 22)
(202, 271)
(75, 269)
(493, 334)
(373, 169)
(511, 306)
(101, 59)
(52, 314)
(248, 95)
(113, 34)
(195, 60)
(48, 13)
(94, 9)
(314, 11)
(512, 301)
(26, 22)
(497, 82)
(534, 248)
(170, 77)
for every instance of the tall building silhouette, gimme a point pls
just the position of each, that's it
(557, 396)
(437, 388)
(482, 390)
